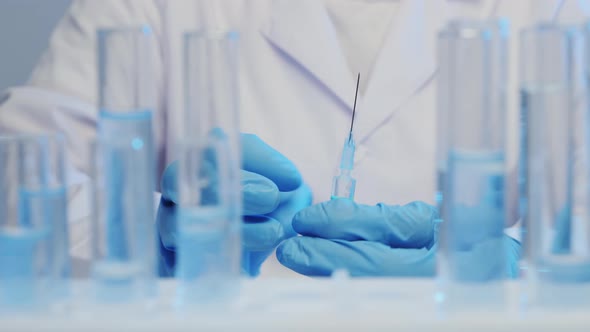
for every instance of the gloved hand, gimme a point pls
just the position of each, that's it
(272, 193)
(366, 240)
(260, 239)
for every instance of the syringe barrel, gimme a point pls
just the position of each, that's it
(347, 160)
(343, 185)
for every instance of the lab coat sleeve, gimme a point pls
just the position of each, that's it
(61, 94)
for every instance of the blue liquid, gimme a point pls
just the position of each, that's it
(440, 185)
(207, 266)
(24, 266)
(48, 208)
(117, 173)
(438, 199)
(131, 115)
(117, 281)
(127, 251)
(547, 198)
(475, 227)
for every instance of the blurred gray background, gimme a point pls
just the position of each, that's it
(25, 28)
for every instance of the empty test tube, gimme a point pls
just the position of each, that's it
(209, 209)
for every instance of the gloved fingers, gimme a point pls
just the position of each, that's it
(513, 249)
(487, 260)
(260, 233)
(408, 226)
(291, 203)
(260, 195)
(562, 239)
(168, 183)
(321, 257)
(252, 261)
(259, 157)
(166, 221)
(208, 171)
(260, 236)
(252, 256)
(166, 261)
(297, 199)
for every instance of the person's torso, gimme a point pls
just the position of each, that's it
(296, 93)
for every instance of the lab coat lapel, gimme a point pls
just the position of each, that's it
(405, 64)
(302, 30)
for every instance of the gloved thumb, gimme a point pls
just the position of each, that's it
(261, 158)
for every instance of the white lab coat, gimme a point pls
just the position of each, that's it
(296, 91)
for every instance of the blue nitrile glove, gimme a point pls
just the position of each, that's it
(366, 240)
(267, 179)
(257, 243)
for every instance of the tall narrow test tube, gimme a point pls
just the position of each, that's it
(34, 252)
(447, 70)
(471, 259)
(555, 192)
(209, 212)
(124, 241)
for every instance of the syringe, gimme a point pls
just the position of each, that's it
(344, 184)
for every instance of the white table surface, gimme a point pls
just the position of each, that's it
(308, 305)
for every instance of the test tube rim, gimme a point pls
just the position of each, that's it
(57, 137)
(9, 139)
(456, 28)
(143, 28)
(129, 115)
(212, 34)
(553, 27)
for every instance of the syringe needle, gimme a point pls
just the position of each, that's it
(358, 80)
(343, 185)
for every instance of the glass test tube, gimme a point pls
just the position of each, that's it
(34, 251)
(124, 238)
(209, 213)
(471, 260)
(444, 89)
(555, 192)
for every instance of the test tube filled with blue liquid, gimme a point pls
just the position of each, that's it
(554, 110)
(34, 251)
(124, 238)
(209, 212)
(471, 259)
